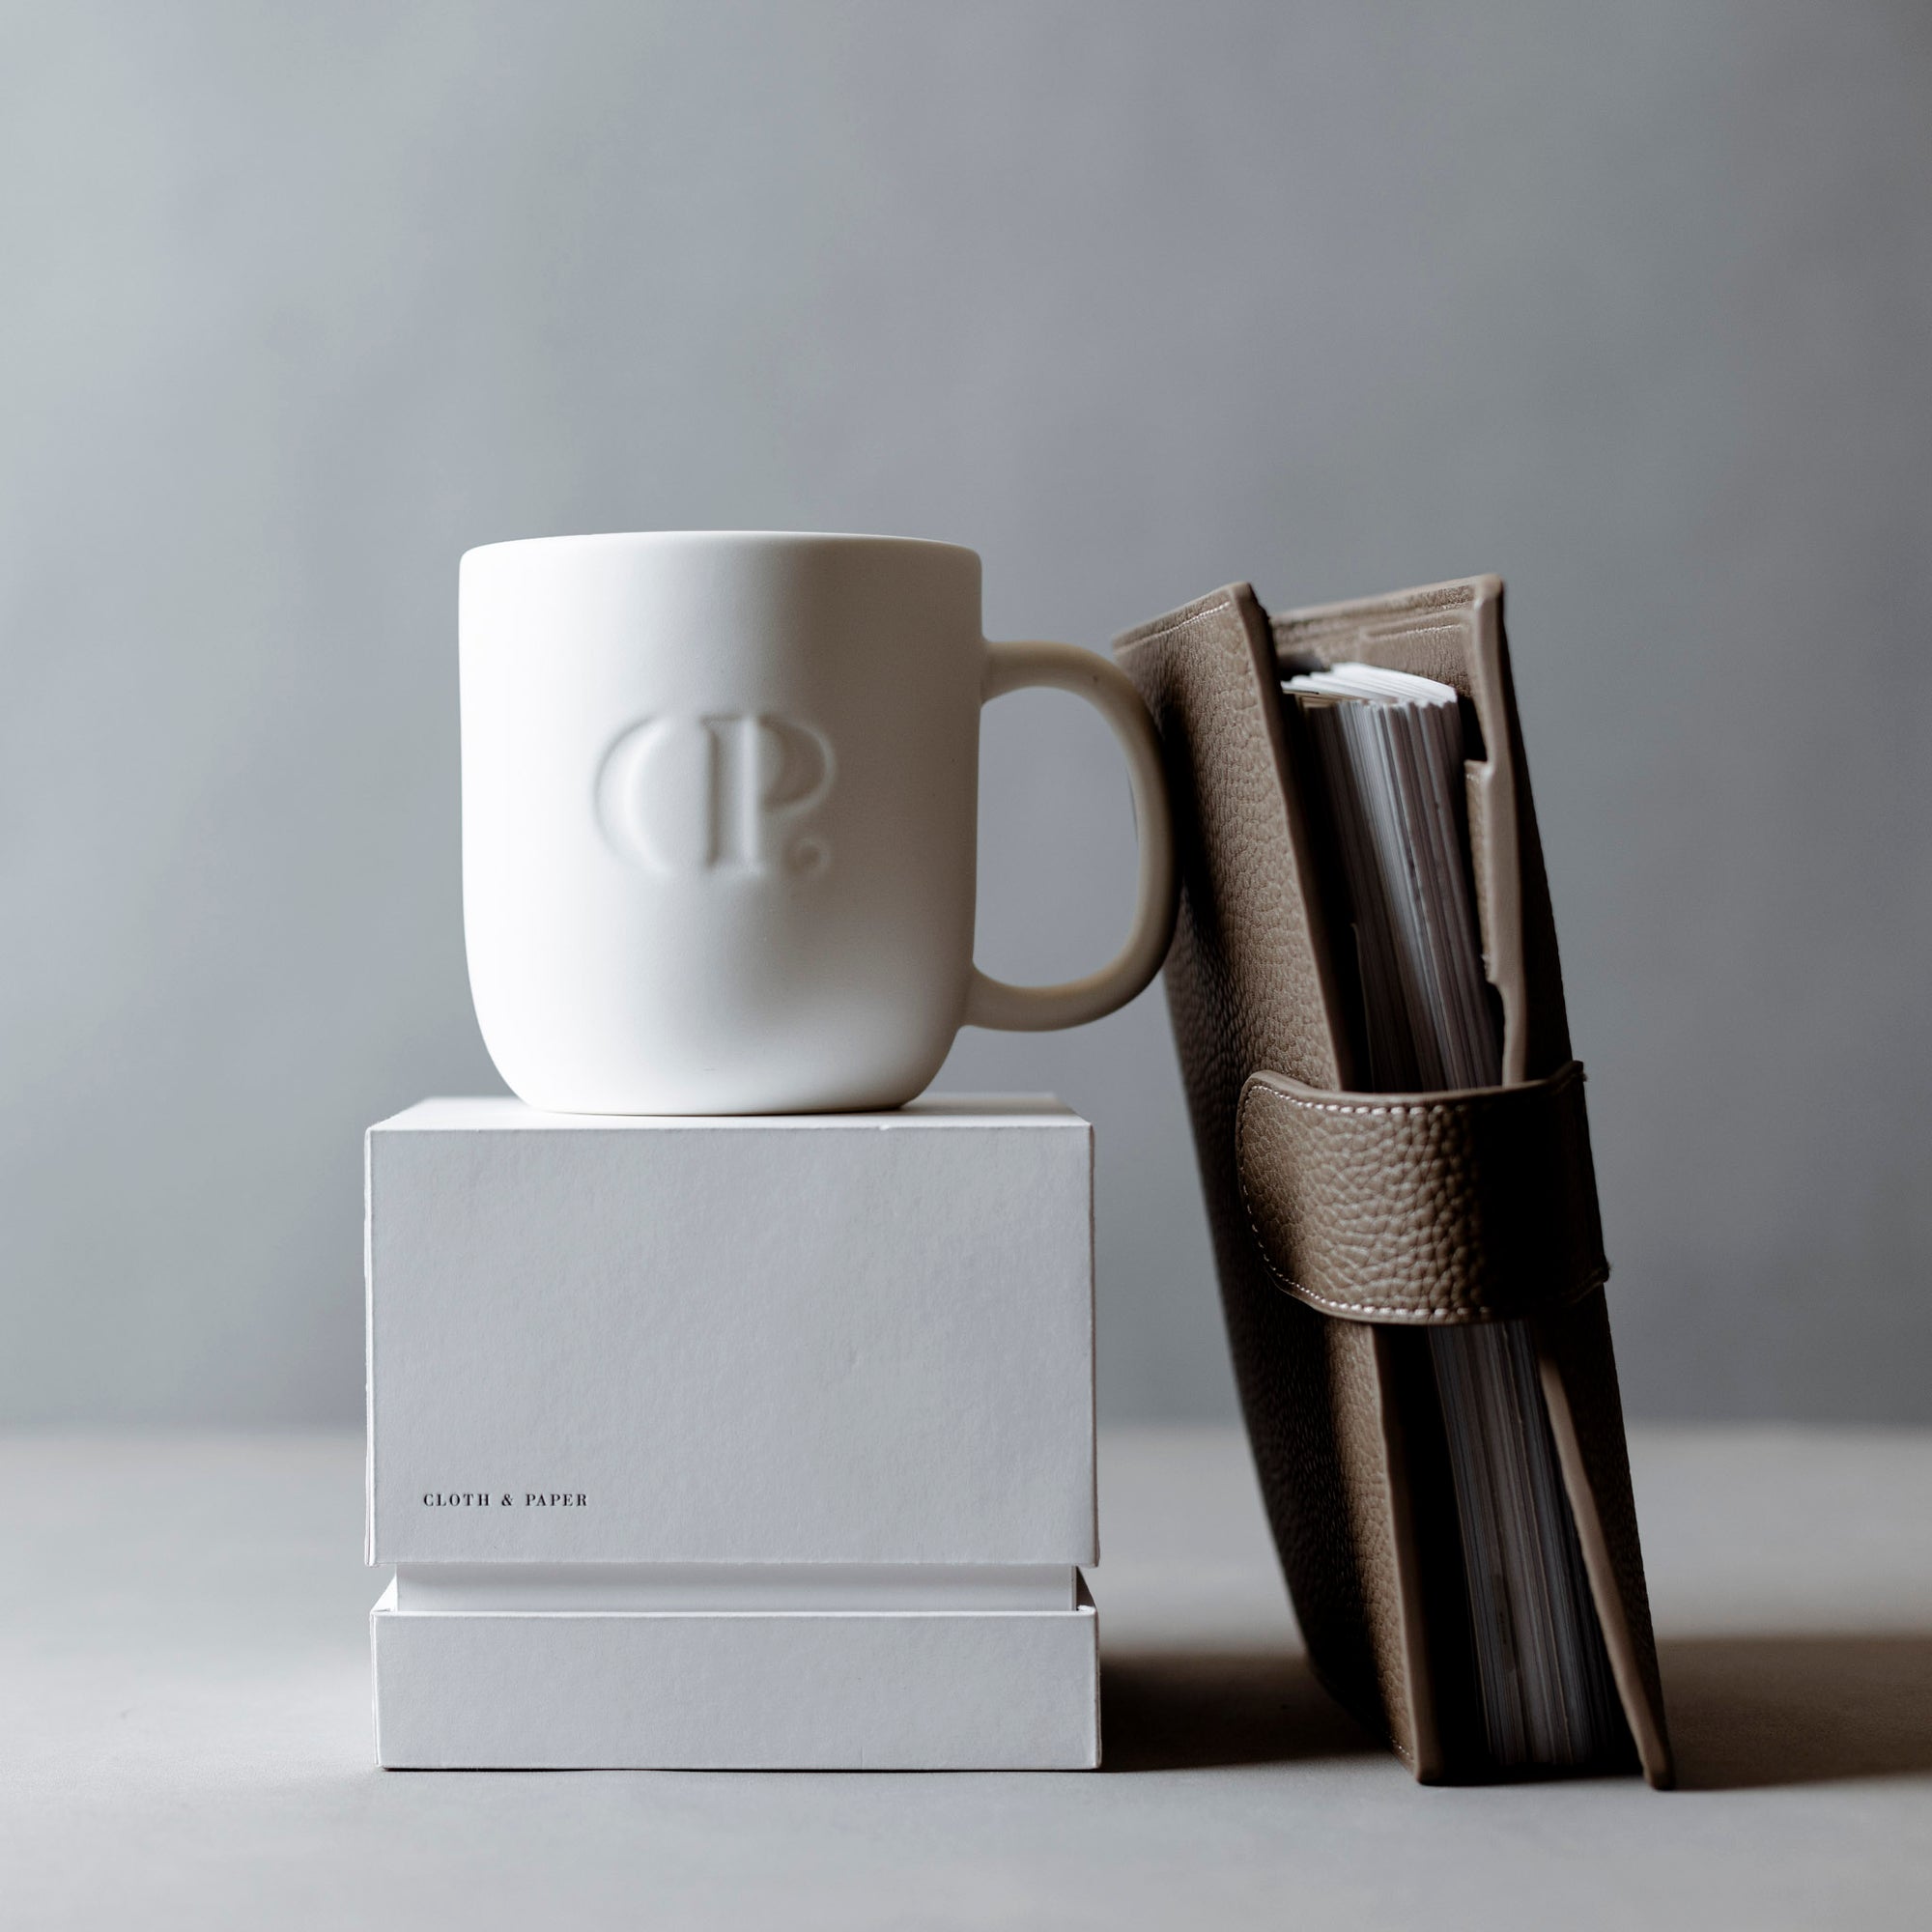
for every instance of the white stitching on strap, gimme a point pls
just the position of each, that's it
(1412, 1314)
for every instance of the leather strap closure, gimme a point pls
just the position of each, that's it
(1423, 1207)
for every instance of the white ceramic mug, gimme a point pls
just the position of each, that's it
(720, 819)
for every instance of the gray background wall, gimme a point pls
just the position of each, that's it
(1631, 302)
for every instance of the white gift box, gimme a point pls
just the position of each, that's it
(732, 1441)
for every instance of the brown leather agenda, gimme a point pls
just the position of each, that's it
(1345, 1223)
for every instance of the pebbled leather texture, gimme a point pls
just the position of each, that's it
(1248, 986)
(1422, 1208)
(1251, 994)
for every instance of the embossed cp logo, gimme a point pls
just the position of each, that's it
(726, 794)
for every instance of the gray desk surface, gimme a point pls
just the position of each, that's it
(184, 1732)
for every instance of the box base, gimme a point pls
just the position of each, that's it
(733, 1689)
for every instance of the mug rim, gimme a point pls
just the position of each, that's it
(743, 539)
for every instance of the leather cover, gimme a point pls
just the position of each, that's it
(1342, 1221)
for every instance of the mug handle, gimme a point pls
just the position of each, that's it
(994, 1003)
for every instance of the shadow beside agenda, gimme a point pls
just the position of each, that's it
(1746, 1712)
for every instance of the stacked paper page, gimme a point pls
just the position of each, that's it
(1388, 749)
